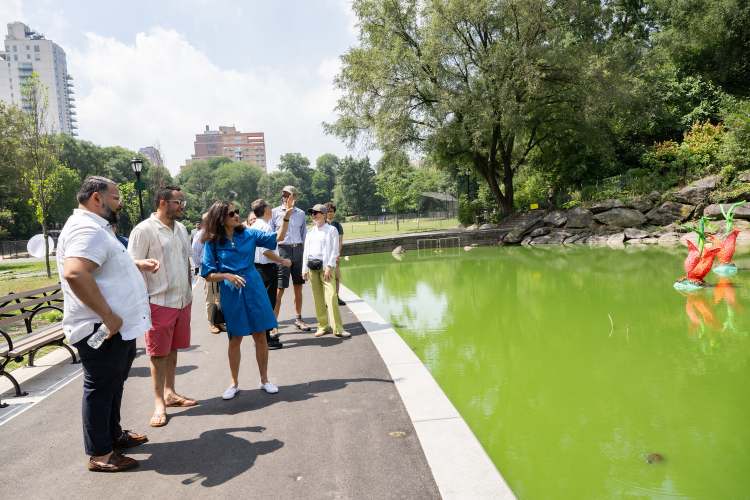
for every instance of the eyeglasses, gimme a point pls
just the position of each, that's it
(182, 203)
(233, 213)
(117, 197)
(285, 195)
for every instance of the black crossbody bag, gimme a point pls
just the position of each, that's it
(314, 264)
(217, 315)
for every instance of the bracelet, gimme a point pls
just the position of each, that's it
(110, 316)
(286, 220)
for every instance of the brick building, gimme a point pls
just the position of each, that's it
(227, 141)
(153, 155)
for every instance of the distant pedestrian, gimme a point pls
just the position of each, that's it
(266, 262)
(195, 231)
(211, 290)
(291, 248)
(170, 294)
(102, 286)
(121, 239)
(318, 263)
(329, 219)
(251, 219)
(228, 258)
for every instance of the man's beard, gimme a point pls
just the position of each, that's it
(172, 214)
(110, 215)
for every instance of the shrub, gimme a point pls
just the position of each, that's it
(588, 192)
(695, 156)
(51, 317)
(571, 204)
(467, 212)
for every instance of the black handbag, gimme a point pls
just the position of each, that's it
(217, 315)
(314, 264)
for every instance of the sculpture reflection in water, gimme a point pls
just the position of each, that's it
(702, 312)
(726, 267)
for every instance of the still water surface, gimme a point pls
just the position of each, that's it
(519, 339)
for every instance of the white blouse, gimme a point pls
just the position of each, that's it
(321, 243)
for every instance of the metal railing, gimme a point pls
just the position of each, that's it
(391, 218)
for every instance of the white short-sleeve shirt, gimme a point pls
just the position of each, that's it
(264, 226)
(89, 236)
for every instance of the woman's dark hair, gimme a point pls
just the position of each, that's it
(214, 230)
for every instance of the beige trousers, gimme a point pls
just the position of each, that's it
(211, 297)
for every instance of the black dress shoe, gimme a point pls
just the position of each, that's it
(274, 344)
(341, 302)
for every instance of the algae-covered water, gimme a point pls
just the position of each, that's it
(519, 339)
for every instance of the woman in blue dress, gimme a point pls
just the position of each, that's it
(228, 258)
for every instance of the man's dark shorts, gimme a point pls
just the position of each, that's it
(295, 255)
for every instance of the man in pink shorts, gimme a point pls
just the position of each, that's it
(170, 294)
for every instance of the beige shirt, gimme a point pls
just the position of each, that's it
(171, 285)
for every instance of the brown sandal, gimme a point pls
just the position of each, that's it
(181, 402)
(159, 416)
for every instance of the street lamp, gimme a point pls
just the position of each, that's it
(137, 165)
(468, 173)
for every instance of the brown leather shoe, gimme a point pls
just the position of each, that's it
(129, 439)
(222, 327)
(215, 329)
(116, 463)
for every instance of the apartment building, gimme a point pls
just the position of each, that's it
(27, 51)
(153, 155)
(229, 142)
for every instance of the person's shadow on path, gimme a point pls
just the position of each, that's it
(213, 458)
(287, 394)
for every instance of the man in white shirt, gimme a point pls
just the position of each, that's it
(102, 285)
(211, 289)
(291, 248)
(170, 294)
(265, 260)
(195, 231)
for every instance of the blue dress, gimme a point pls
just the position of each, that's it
(247, 309)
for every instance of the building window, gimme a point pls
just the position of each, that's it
(261, 147)
(36, 48)
(15, 57)
(15, 49)
(37, 57)
(28, 56)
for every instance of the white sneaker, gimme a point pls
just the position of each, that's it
(269, 388)
(321, 332)
(231, 392)
(342, 334)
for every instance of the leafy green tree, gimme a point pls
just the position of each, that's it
(237, 182)
(479, 83)
(270, 186)
(358, 187)
(393, 181)
(43, 170)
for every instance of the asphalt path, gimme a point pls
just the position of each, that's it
(336, 430)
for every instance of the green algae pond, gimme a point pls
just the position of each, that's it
(654, 403)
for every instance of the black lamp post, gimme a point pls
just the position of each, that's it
(468, 195)
(137, 165)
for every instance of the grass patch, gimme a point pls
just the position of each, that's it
(354, 230)
(19, 285)
(27, 267)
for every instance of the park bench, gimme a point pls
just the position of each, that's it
(24, 306)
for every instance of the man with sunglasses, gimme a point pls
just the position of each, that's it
(170, 292)
(291, 248)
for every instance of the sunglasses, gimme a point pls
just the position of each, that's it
(233, 213)
(285, 195)
(315, 212)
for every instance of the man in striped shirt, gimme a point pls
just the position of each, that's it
(170, 294)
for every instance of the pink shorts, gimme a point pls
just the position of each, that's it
(170, 329)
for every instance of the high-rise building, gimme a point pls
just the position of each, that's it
(227, 141)
(153, 155)
(27, 51)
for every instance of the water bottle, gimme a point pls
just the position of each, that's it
(98, 338)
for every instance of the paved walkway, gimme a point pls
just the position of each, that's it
(326, 434)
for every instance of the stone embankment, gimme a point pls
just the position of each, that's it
(641, 219)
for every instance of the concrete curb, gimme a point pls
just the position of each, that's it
(460, 466)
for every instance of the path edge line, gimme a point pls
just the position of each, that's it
(459, 464)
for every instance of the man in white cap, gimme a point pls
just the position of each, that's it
(291, 248)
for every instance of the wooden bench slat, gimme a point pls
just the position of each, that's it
(33, 302)
(29, 293)
(36, 342)
(14, 319)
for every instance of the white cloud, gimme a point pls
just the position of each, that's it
(346, 6)
(164, 87)
(10, 10)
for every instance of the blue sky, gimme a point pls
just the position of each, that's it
(147, 71)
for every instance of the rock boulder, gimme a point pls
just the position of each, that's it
(486, 226)
(616, 238)
(597, 239)
(541, 240)
(605, 205)
(692, 195)
(741, 212)
(641, 204)
(555, 219)
(622, 217)
(579, 217)
(635, 234)
(709, 182)
(518, 232)
(542, 231)
(744, 177)
(654, 197)
(558, 237)
(669, 212)
(669, 238)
